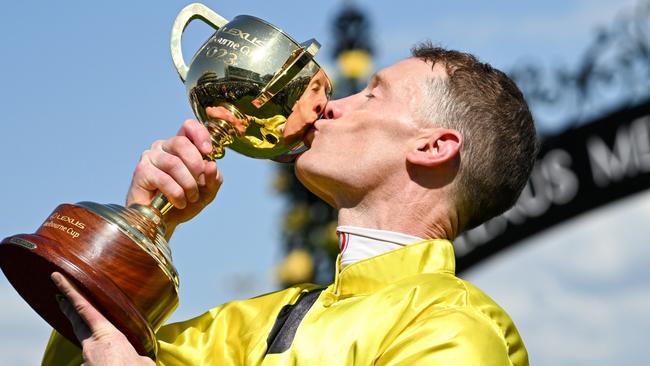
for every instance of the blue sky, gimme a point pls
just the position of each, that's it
(87, 86)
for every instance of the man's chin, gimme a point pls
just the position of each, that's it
(304, 168)
(308, 174)
(308, 161)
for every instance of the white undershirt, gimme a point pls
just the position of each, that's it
(357, 243)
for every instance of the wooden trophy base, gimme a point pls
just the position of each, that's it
(125, 279)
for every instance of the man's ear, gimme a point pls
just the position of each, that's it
(438, 147)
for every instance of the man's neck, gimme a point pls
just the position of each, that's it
(428, 222)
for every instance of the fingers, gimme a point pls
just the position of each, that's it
(161, 171)
(102, 343)
(224, 114)
(220, 113)
(211, 181)
(178, 165)
(83, 316)
(79, 327)
(197, 134)
(173, 167)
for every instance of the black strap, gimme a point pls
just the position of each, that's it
(288, 320)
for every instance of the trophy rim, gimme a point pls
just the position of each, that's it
(289, 37)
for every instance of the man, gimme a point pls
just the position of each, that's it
(434, 145)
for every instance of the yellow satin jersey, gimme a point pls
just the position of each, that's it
(403, 307)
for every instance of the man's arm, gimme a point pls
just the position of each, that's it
(176, 168)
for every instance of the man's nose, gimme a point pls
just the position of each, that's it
(319, 107)
(332, 110)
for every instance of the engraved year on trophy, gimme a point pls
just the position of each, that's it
(118, 256)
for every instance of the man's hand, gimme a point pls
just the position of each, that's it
(176, 168)
(102, 343)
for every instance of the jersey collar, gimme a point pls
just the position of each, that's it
(371, 274)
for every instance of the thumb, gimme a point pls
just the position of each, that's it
(85, 319)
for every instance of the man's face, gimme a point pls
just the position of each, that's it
(308, 108)
(362, 140)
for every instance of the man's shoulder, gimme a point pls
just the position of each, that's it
(444, 289)
(442, 295)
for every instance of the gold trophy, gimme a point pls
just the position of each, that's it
(118, 256)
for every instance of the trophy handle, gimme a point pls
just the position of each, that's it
(184, 17)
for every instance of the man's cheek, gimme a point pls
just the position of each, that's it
(293, 128)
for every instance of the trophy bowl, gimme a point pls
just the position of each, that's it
(118, 256)
(258, 73)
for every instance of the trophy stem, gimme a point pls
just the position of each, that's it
(161, 204)
(222, 134)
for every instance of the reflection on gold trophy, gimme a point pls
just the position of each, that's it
(118, 256)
